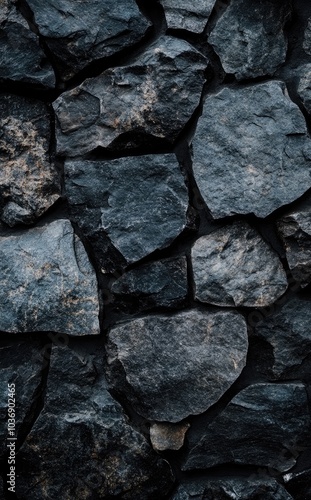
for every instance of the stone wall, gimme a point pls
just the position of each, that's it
(155, 249)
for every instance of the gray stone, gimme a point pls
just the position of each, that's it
(190, 15)
(251, 151)
(161, 283)
(234, 266)
(79, 32)
(249, 37)
(21, 57)
(288, 331)
(47, 282)
(139, 202)
(232, 488)
(29, 183)
(259, 427)
(304, 86)
(307, 38)
(295, 231)
(177, 365)
(165, 436)
(150, 99)
(82, 446)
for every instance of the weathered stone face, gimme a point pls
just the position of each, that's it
(166, 436)
(187, 15)
(236, 169)
(48, 283)
(304, 86)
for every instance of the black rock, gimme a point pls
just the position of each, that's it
(82, 446)
(190, 15)
(139, 202)
(78, 33)
(234, 266)
(177, 365)
(150, 99)
(299, 484)
(307, 38)
(261, 426)
(251, 151)
(249, 37)
(304, 86)
(29, 183)
(21, 57)
(47, 282)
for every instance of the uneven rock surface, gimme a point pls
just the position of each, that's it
(29, 183)
(139, 202)
(258, 427)
(165, 436)
(304, 87)
(48, 283)
(307, 38)
(236, 169)
(249, 37)
(82, 444)
(78, 33)
(187, 15)
(233, 266)
(188, 361)
(151, 98)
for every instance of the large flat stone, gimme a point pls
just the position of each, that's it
(190, 15)
(251, 151)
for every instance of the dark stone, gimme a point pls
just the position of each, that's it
(249, 37)
(234, 266)
(21, 364)
(29, 183)
(162, 283)
(307, 38)
(259, 427)
(21, 57)
(82, 446)
(47, 282)
(288, 331)
(139, 202)
(295, 231)
(299, 484)
(229, 488)
(304, 86)
(150, 99)
(78, 33)
(188, 361)
(190, 15)
(251, 151)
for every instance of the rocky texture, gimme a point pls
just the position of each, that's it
(295, 231)
(139, 202)
(288, 331)
(307, 38)
(165, 436)
(256, 428)
(249, 37)
(78, 33)
(188, 361)
(304, 86)
(158, 284)
(236, 169)
(21, 57)
(47, 282)
(232, 488)
(152, 98)
(187, 15)
(233, 266)
(82, 446)
(29, 183)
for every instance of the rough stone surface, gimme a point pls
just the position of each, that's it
(304, 86)
(139, 202)
(236, 168)
(80, 32)
(29, 183)
(233, 266)
(295, 231)
(190, 15)
(82, 446)
(307, 38)
(288, 331)
(161, 283)
(152, 98)
(249, 37)
(188, 360)
(21, 57)
(232, 489)
(165, 436)
(47, 282)
(259, 427)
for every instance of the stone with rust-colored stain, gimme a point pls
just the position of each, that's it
(166, 436)
(29, 182)
(47, 282)
(190, 15)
